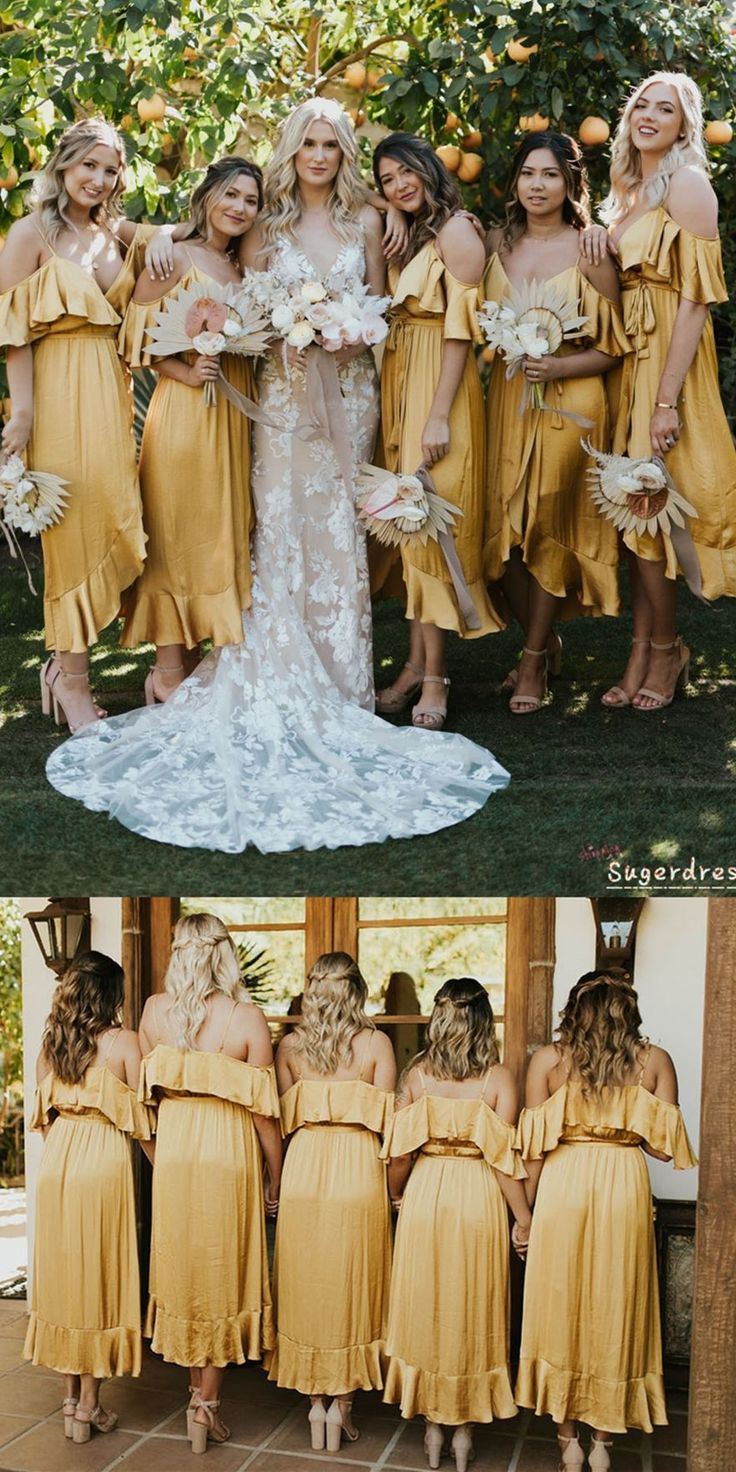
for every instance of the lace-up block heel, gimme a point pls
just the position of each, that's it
(462, 1448)
(317, 1418)
(191, 1408)
(68, 1408)
(571, 1452)
(148, 686)
(598, 1458)
(335, 1427)
(86, 1421)
(391, 702)
(682, 677)
(434, 717)
(210, 1430)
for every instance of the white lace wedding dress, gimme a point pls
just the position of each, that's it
(273, 742)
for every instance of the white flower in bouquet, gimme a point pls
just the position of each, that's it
(533, 322)
(313, 291)
(636, 495)
(399, 508)
(375, 329)
(302, 334)
(210, 343)
(283, 318)
(30, 500)
(532, 341)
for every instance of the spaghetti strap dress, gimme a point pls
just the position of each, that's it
(195, 484)
(661, 264)
(332, 1307)
(539, 496)
(430, 306)
(209, 1298)
(83, 432)
(591, 1340)
(447, 1347)
(85, 1299)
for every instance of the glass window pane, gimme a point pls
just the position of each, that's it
(386, 908)
(258, 910)
(273, 960)
(404, 965)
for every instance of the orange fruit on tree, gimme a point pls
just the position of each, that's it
(374, 79)
(718, 131)
(473, 139)
(151, 109)
(126, 122)
(450, 156)
(452, 123)
(470, 167)
(534, 122)
(517, 50)
(594, 130)
(355, 75)
(357, 114)
(10, 179)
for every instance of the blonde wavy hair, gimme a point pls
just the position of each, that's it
(203, 960)
(627, 187)
(600, 1031)
(87, 1001)
(283, 207)
(333, 1012)
(461, 1035)
(49, 194)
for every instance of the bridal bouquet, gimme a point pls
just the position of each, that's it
(641, 496)
(30, 501)
(307, 312)
(212, 321)
(532, 322)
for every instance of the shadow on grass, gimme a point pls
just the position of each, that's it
(653, 788)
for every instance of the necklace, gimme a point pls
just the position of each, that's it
(223, 254)
(543, 239)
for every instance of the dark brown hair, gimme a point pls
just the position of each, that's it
(442, 196)
(87, 1001)
(600, 1030)
(569, 158)
(461, 1036)
(213, 186)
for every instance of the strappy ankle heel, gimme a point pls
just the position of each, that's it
(521, 705)
(191, 1408)
(317, 1418)
(622, 699)
(148, 687)
(598, 1458)
(50, 697)
(571, 1452)
(681, 678)
(211, 1430)
(462, 1447)
(391, 702)
(85, 1421)
(69, 1406)
(434, 1443)
(335, 1427)
(432, 719)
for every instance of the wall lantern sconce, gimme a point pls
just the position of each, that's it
(615, 932)
(62, 931)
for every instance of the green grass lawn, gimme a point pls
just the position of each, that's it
(660, 788)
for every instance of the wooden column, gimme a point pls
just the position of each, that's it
(319, 919)
(163, 913)
(345, 924)
(712, 1426)
(133, 920)
(530, 959)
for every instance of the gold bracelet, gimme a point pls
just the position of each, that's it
(659, 405)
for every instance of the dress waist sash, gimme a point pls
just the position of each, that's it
(461, 1150)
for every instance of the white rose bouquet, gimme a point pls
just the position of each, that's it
(31, 501)
(307, 313)
(534, 321)
(640, 496)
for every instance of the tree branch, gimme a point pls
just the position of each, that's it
(339, 66)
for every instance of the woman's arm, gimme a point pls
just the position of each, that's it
(384, 1072)
(20, 257)
(399, 1169)
(250, 250)
(665, 1088)
(587, 364)
(692, 203)
(284, 1074)
(147, 1032)
(537, 1091)
(269, 1134)
(464, 255)
(375, 261)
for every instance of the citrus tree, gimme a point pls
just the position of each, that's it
(187, 80)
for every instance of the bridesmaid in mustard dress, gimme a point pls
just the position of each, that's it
(85, 1300)
(195, 459)
(336, 1074)
(432, 410)
(452, 1140)
(67, 273)
(662, 216)
(208, 1066)
(547, 546)
(597, 1099)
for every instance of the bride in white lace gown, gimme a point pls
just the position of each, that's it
(273, 742)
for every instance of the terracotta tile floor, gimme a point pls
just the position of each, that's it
(268, 1427)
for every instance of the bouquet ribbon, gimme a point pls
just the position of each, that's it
(326, 411)
(247, 406)
(16, 551)
(466, 606)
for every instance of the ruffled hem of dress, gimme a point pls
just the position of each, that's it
(57, 289)
(186, 1071)
(449, 1399)
(74, 620)
(219, 1342)
(593, 591)
(433, 601)
(165, 618)
(633, 1110)
(606, 1405)
(98, 1352)
(316, 1371)
(473, 1121)
(317, 1101)
(99, 1092)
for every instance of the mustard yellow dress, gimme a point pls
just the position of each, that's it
(209, 1299)
(333, 1240)
(85, 1304)
(447, 1345)
(430, 306)
(82, 431)
(538, 492)
(195, 484)
(591, 1341)
(660, 263)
